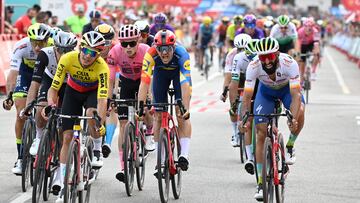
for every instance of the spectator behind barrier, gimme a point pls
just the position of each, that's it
(24, 21)
(9, 29)
(76, 22)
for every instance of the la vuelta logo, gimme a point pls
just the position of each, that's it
(76, 4)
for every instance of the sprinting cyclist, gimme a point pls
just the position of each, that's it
(144, 28)
(128, 56)
(231, 30)
(159, 24)
(240, 64)
(87, 86)
(205, 39)
(240, 43)
(250, 27)
(21, 69)
(167, 62)
(107, 31)
(285, 33)
(279, 78)
(221, 31)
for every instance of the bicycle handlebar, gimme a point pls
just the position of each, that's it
(287, 113)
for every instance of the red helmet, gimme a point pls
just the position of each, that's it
(164, 37)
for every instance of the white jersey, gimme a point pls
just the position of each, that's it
(229, 60)
(52, 64)
(290, 31)
(240, 64)
(287, 73)
(23, 54)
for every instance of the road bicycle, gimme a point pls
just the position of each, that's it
(275, 170)
(134, 155)
(307, 74)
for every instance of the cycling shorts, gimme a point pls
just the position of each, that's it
(23, 82)
(161, 82)
(44, 88)
(286, 47)
(129, 89)
(305, 48)
(74, 102)
(265, 100)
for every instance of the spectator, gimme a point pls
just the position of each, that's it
(41, 17)
(95, 20)
(54, 21)
(37, 10)
(76, 22)
(48, 16)
(9, 29)
(24, 21)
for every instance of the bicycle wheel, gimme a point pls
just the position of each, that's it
(176, 178)
(243, 156)
(71, 176)
(141, 158)
(26, 167)
(268, 172)
(88, 172)
(40, 171)
(163, 173)
(129, 163)
(282, 170)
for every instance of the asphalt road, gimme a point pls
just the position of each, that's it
(328, 155)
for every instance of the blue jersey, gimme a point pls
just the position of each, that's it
(206, 33)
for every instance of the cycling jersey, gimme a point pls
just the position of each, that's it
(287, 73)
(240, 64)
(288, 37)
(229, 60)
(154, 28)
(96, 76)
(307, 39)
(258, 34)
(230, 32)
(222, 32)
(206, 34)
(130, 68)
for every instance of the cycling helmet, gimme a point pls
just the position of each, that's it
(93, 39)
(164, 37)
(266, 46)
(225, 19)
(268, 24)
(206, 20)
(143, 26)
(238, 18)
(241, 40)
(54, 31)
(320, 22)
(309, 22)
(251, 46)
(249, 19)
(283, 20)
(270, 18)
(129, 32)
(160, 18)
(65, 40)
(38, 31)
(94, 14)
(106, 30)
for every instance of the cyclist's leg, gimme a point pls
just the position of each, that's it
(302, 63)
(316, 59)
(111, 121)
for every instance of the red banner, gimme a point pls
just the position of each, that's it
(351, 5)
(188, 3)
(163, 2)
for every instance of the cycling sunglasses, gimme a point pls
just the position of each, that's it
(164, 48)
(87, 51)
(108, 43)
(283, 28)
(270, 57)
(250, 25)
(131, 44)
(144, 35)
(63, 50)
(39, 43)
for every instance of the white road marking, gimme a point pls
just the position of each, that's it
(211, 77)
(339, 77)
(23, 197)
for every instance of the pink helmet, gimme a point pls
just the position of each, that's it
(129, 32)
(309, 22)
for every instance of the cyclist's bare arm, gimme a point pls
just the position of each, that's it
(143, 90)
(11, 80)
(295, 101)
(32, 93)
(233, 91)
(102, 108)
(52, 96)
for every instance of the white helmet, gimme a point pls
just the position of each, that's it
(143, 26)
(266, 46)
(241, 40)
(65, 40)
(93, 39)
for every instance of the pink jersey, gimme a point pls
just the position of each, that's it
(306, 39)
(130, 68)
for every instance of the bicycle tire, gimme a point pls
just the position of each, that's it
(70, 186)
(267, 172)
(88, 172)
(141, 158)
(40, 171)
(26, 167)
(176, 180)
(243, 156)
(163, 172)
(129, 166)
(282, 168)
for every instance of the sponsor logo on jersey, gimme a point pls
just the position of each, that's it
(187, 65)
(103, 80)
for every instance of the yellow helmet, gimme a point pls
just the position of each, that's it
(207, 20)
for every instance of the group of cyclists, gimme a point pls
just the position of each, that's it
(263, 63)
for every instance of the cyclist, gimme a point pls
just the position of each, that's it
(159, 24)
(146, 37)
(221, 30)
(278, 74)
(164, 62)
(250, 27)
(95, 20)
(309, 39)
(205, 39)
(231, 30)
(240, 43)
(128, 55)
(107, 31)
(285, 33)
(21, 69)
(240, 64)
(267, 27)
(87, 85)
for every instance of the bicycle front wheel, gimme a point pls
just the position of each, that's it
(129, 165)
(163, 172)
(243, 156)
(176, 178)
(140, 159)
(71, 174)
(268, 172)
(282, 170)
(27, 167)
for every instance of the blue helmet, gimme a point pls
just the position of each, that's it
(160, 18)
